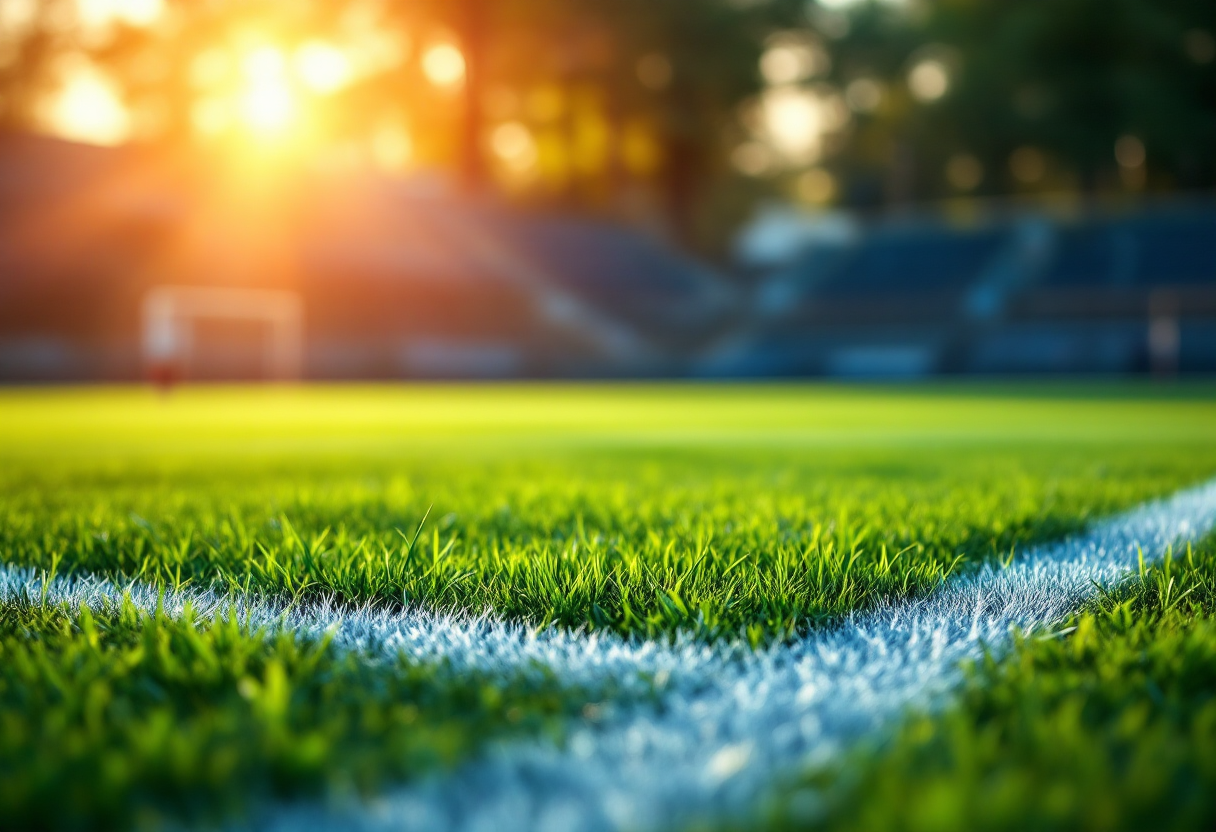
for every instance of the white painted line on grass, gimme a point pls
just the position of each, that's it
(729, 721)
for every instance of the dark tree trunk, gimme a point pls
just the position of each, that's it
(473, 45)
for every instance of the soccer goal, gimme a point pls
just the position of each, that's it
(207, 332)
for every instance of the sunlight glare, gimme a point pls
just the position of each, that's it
(268, 107)
(264, 65)
(209, 68)
(210, 116)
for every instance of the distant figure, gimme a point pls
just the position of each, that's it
(164, 375)
(1164, 337)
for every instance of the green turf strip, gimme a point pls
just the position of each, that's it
(1108, 724)
(772, 509)
(119, 720)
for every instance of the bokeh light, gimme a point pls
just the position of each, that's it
(816, 186)
(322, 67)
(1027, 164)
(654, 71)
(87, 107)
(514, 144)
(210, 116)
(929, 80)
(1129, 152)
(1199, 45)
(789, 62)
(752, 158)
(863, 95)
(964, 172)
(792, 122)
(1131, 155)
(443, 65)
(392, 147)
(98, 14)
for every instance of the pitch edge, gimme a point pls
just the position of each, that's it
(728, 723)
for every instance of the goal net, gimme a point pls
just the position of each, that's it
(193, 332)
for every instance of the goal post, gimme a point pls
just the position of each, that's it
(171, 314)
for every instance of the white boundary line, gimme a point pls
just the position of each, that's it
(729, 721)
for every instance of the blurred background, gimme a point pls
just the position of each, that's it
(224, 189)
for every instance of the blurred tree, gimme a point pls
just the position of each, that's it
(633, 107)
(664, 73)
(593, 103)
(1037, 95)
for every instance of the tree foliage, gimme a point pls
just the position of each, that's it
(646, 99)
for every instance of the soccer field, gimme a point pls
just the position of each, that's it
(555, 607)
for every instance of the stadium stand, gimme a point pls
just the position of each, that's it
(395, 279)
(1022, 292)
(624, 273)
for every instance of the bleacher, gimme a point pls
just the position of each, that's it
(1163, 248)
(916, 261)
(911, 298)
(620, 272)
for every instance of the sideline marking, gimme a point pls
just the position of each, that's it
(730, 722)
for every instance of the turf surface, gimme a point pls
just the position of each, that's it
(117, 719)
(752, 512)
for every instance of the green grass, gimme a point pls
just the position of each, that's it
(1108, 724)
(641, 509)
(757, 510)
(114, 719)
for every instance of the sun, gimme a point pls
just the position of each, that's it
(271, 93)
(250, 93)
(268, 93)
(269, 103)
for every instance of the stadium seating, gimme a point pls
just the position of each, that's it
(913, 261)
(396, 280)
(1163, 248)
(619, 271)
(1078, 295)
